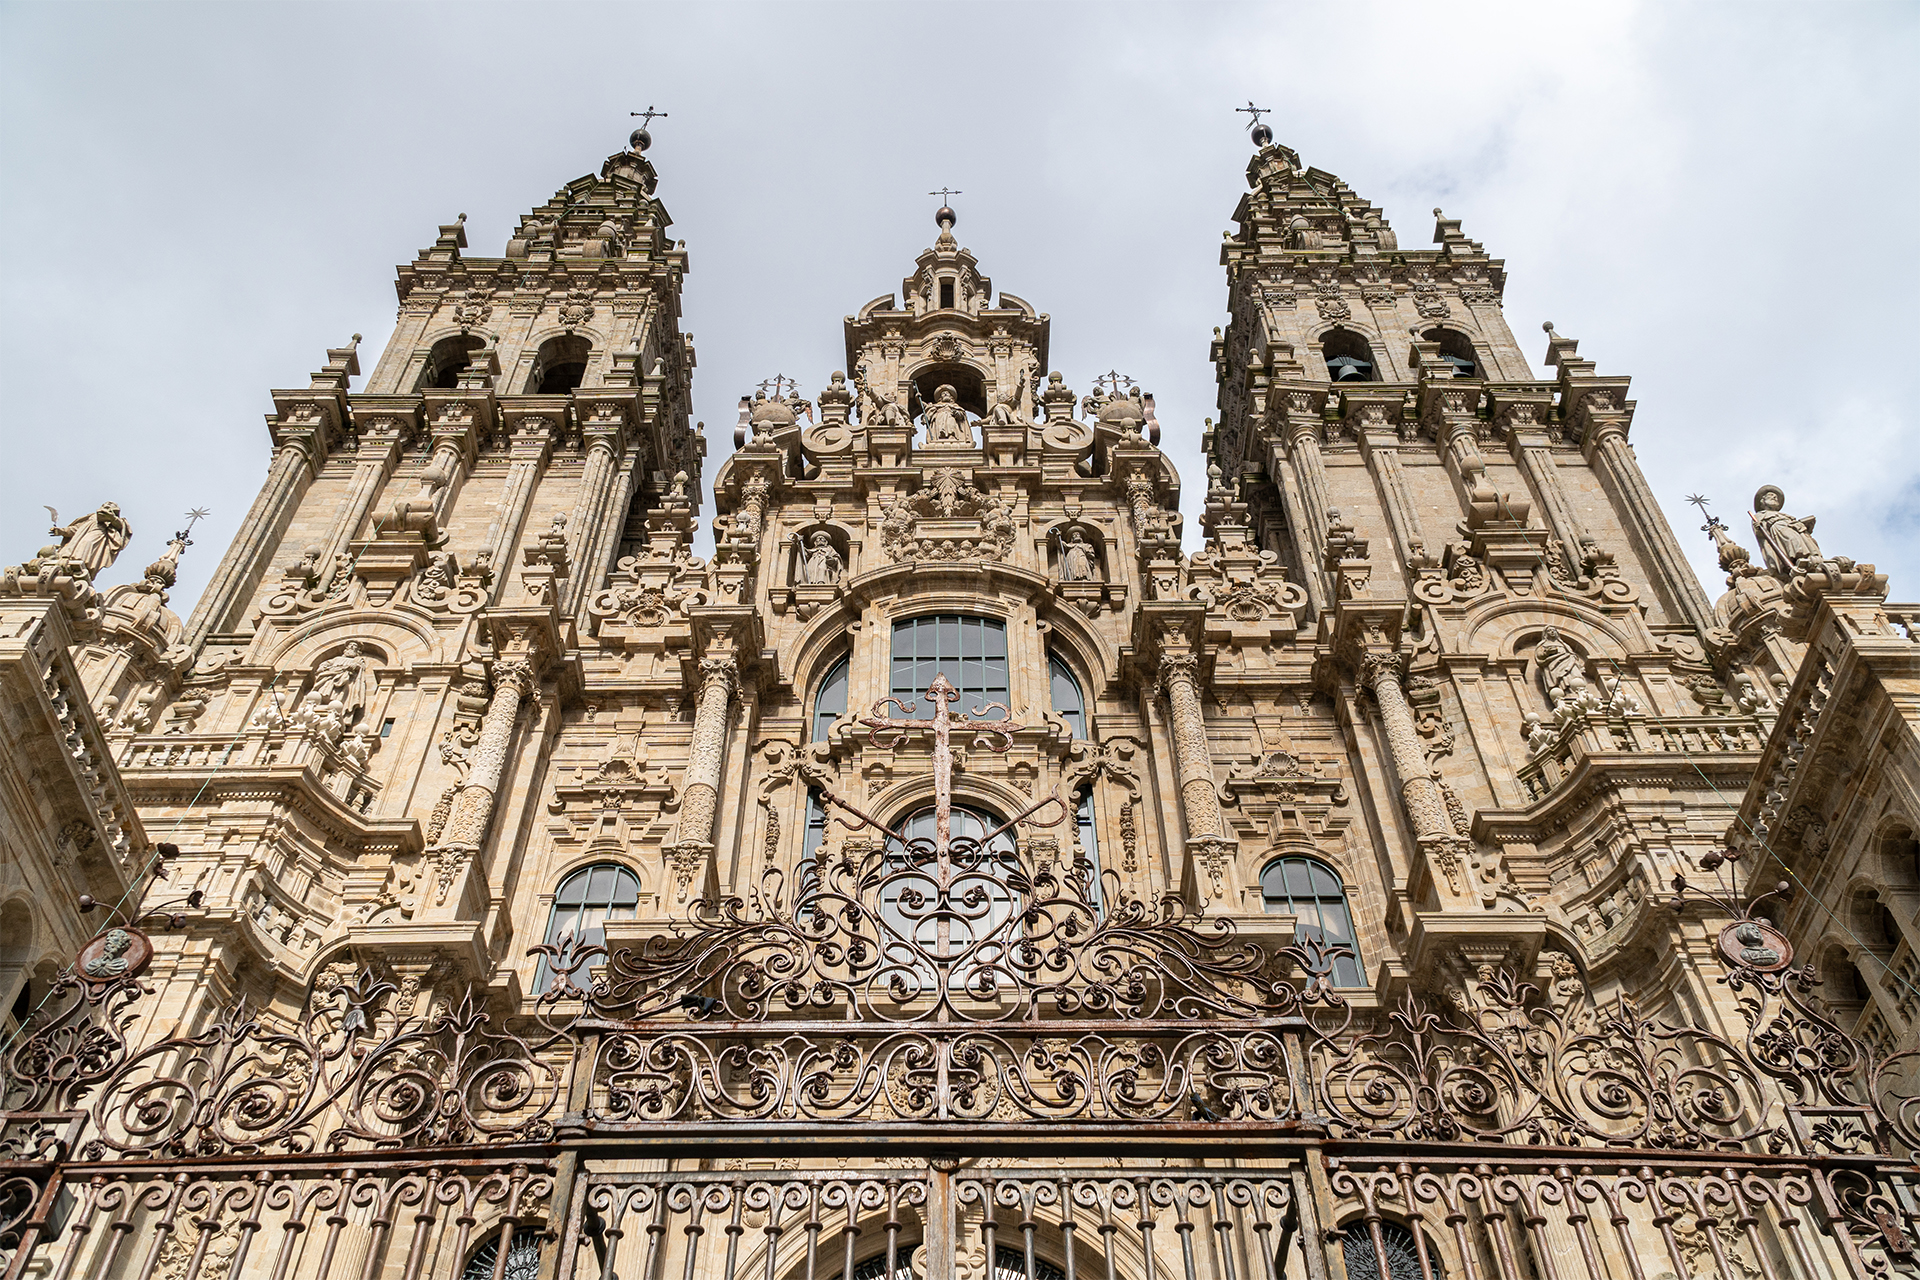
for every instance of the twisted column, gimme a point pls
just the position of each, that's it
(697, 803)
(1425, 806)
(473, 805)
(1180, 673)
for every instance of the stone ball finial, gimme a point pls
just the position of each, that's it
(1547, 328)
(944, 217)
(639, 140)
(1437, 213)
(356, 339)
(1262, 136)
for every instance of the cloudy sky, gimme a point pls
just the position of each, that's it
(1715, 199)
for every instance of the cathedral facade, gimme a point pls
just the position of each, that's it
(964, 872)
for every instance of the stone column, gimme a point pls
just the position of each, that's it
(1180, 673)
(597, 475)
(1420, 792)
(697, 803)
(292, 469)
(375, 459)
(529, 454)
(1303, 440)
(1607, 446)
(466, 827)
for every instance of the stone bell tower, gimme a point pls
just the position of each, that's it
(382, 659)
(1514, 645)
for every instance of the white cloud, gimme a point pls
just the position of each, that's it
(199, 200)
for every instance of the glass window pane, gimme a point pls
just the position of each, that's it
(831, 702)
(1299, 879)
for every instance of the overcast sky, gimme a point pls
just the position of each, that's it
(1718, 200)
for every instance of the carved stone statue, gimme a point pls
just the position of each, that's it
(343, 678)
(946, 421)
(821, 565)
(1005, 409)
(94, 540)
(1077, 558)
(1560, 666)
(1785, 541)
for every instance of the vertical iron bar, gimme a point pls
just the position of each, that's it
(336, 1221)
(695, 1230)
(1414, 1221)
(1145, 1223)
(1578, 1219)
(656, 1234)
(250, 1224)
(82, 1228)
(423, 1217)
(1067, 1224)
(1223, 1227)
(163, 1229)
(814, 1226)
(738, 1187)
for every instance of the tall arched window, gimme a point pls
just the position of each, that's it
(1068, 702)
(970, 652)
(584, 903)
(830, 702)
(1311, 890)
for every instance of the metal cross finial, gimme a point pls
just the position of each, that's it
(1113, 380)
(771, 387)
(1255, 112)
(193, 517)
(1713, 521)
(946, 193)
(647, 117)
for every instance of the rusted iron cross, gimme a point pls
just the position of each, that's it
(647, 116)
(995, 735)
(1255, 112)
(778, 381)
(946, 193)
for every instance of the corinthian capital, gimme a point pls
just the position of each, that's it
(1181, 664)
(1376, 668)
(514, 673)
(719, 673)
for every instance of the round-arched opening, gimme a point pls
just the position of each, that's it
(523, 1258)
(1312, 892)
(968, 387)
(560, 366)
(1009, 1263)
(1396, 1258)
(1457, 350)
(447, 361)
(966, 926)
(583, 904)
(1349, 357)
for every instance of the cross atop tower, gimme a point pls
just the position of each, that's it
(946, 193)
(648, 116)
(1113, 381)
(1255, 112)
(772, 387)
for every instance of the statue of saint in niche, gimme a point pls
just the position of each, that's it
(946, 421)
(1077, 560)
(821, 565)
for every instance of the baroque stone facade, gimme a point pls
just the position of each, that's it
(959, 868)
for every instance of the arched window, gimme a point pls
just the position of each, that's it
(584, 903)
(1068, 702)
(830, 703)
(523, 1259)
(1310, 890)
(1349, 358)
(970, 652)
(561, 365)
(1402, 1260)
(979, 901)
(447, 361)
(1457, 350)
